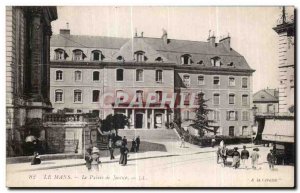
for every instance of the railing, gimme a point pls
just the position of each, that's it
(74, 117)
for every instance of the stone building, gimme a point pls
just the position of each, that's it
(286, 49)
(28, 32)
(104, 75)
(266, 101)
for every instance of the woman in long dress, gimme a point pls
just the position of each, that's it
(124, 152)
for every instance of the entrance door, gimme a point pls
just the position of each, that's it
(138, 121)
(158, 121)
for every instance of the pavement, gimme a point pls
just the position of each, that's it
(172, 149)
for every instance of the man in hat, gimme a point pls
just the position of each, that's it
(236, 158)
(88, 159)
(244, 156)
(271, 159)
(254, 158)
(138, 141)
(124, 140)
(111, 148)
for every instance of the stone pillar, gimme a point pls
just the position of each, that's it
(133, 118)
(152, 119)
(126, 113)
(46, 62)
(146, 118)
(36, 54)
(165, 118)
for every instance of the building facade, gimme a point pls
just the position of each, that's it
(28, 32)
(266, 101)
(286, 38)
(152, 80)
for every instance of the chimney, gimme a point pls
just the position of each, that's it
(211, 39)
(226, 42)
(165, 37)
(65, 31)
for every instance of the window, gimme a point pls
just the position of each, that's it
(216, 115)
(245, 131)
(200, 96)
(120, 94)
(186, 59)
(96, 95)
(60, 54)
(78, 55)
(231, 81)
(244, 99)
(216, 61)
(244, 82)
(186, 115)
(245, 116)
(139, 75)
(139, 96)
(159, 59)
(96, 55)
(201, 80)
(120, 58)
(77, 75)
(96, 76)
(59, 75)
(139, 56)
(231, 99)
(186, 80)
(58, 96)
(216, 99)
(158, 76)
(231, 131)
(232, 116)
(120, 74)
(270, 108)
(230, 64)
(96, 113)
(216, 80)
(158, 96)
(200, 62)
(77, 96)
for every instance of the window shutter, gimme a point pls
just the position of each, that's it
(227, 117)
(236, 115)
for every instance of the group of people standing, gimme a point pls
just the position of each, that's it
(93, 157)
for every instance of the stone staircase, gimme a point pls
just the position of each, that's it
(156, 135)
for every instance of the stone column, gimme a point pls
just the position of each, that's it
(126, 113)
(165, 118)
(152, 119)
(146, 118)
(46, 63)
(133, 118)
(36, 54)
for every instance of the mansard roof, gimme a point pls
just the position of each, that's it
(171, 51)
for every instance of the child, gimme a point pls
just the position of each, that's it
(271, 159)
(254, 158)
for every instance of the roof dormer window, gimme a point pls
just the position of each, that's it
(159, 59)
(200, 62)
(60, 54)
(186, 59)
(78, 55)
(216, 61)
(97, 55)
(139, 56)
(120, 58)
(230, 64)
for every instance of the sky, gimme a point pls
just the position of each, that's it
(250, 29)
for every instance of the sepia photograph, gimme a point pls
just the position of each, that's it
(150, 96)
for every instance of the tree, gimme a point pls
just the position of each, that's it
(201, 122)
(114, 122)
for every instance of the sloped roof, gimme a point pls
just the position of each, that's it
(87, 41)
(265, 96)
(156, 47)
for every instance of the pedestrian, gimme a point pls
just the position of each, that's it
(138, 141)
(213, 142)
(124, 153)
(124, 140)
(254, 158)
(133, 146)
(182, 142)
(236, 158)
(88, 159)
(271, 159)
(111, 148)
(222, 144)
(244, 157)
(95, 159)
(36, 159)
